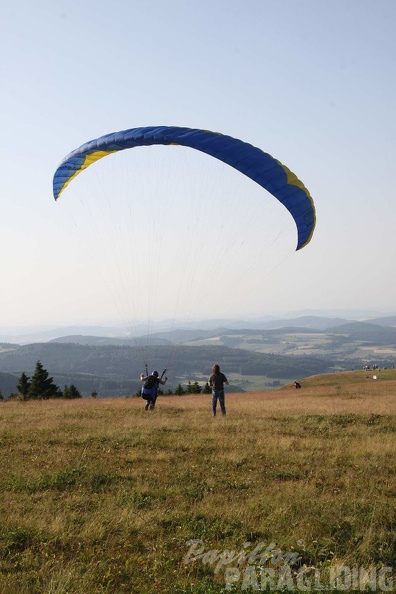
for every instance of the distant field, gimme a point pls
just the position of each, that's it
(99, 496)
(305, 343)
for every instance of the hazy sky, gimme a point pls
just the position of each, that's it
(312, 82)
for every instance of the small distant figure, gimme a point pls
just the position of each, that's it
(150, 388)
(298, 385)
(216, 382)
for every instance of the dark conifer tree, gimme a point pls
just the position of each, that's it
(42, 386)
(23, 385)
(196, 388)
(71, 392)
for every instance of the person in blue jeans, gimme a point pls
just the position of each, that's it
(150, 387)
(216, 382)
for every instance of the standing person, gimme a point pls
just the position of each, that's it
(150, 387)
(216, 382)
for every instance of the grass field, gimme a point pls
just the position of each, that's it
(100, 496)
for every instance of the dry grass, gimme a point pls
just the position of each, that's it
(101, 496)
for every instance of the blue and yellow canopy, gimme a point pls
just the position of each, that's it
(249, 160)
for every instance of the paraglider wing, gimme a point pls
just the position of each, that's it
(249, 160)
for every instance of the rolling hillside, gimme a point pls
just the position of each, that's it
(114, 370)
(254, 358)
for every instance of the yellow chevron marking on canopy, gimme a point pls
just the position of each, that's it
(89, 159)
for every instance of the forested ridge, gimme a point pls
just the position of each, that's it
(117, 368)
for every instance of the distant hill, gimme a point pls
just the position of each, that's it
(108, 340)
(282, 351)
(293, 330)
(166, 328)
(367, 332)
(116, 366)
(7, 346)
(182, 336)
(387, 321)
(128, 361)
(275, 350)
(313, 322)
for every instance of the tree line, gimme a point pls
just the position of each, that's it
(42, 387)
(191, 388)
